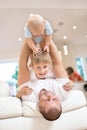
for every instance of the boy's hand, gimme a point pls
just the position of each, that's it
(46, 49)
(68, 86)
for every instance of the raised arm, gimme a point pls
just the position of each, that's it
(23, 74)
(58, 68)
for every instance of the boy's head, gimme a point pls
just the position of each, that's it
(49, 105)
(41, 64)
(69, 70)
(36, 24)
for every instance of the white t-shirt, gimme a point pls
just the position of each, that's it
(51, 84)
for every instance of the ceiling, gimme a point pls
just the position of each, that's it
(62, 14)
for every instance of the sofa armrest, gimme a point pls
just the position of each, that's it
(10, 107)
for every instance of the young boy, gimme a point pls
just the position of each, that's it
(38, 30)
(47, 92)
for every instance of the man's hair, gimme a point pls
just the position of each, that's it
(52, 114)
(43, 57)
(35, 20)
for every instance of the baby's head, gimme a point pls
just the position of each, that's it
(49, 105)
(41, 64)
(36, 24)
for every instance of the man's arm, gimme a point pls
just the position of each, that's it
(58, 68)
(23, 74)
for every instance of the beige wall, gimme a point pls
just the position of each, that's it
(75, 51)
(69, 60)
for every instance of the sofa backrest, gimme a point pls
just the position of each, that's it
(4, 89)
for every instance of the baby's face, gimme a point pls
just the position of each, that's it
(41, 70)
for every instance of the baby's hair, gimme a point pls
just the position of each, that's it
(43, 57)
(35, 20)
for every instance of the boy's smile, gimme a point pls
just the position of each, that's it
(41, 70)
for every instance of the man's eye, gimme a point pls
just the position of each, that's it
(54, 99)
(47, 100)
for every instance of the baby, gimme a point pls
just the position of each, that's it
(38, 34)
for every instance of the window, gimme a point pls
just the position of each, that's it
(80, 66)
(8, 71)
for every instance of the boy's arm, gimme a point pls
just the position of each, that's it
(58, 68)
(23, 74)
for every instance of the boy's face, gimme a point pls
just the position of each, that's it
(41, 70)
(47, 100)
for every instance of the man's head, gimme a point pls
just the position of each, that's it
(41, 64)
(49, 105)
(36, 24)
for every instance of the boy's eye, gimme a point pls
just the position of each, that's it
(45, 67)
(38, 67)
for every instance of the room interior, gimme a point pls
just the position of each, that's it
(69, 22)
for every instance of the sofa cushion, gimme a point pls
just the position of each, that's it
(75, 100)
(4, 89)
(10, 107)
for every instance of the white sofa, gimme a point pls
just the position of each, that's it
(17, 115)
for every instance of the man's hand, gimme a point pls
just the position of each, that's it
(24, 91)
(68, 86)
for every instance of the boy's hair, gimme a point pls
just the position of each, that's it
(43, 57)
(69, 70)
(52, 114)
(35, 20)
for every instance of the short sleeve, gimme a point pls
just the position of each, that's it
(27, 32)
(49, 29)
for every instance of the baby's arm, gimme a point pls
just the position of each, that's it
(48, 39)
(29, 41)
(31, 44)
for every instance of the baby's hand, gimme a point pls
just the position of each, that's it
(68, 86)
(46, 49)
(36, 51)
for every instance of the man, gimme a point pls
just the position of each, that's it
(47, 92)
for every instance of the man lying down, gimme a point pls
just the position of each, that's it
(47, 92)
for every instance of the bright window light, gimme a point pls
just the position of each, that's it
(7, 70)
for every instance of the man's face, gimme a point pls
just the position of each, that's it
(48, 100)
(41, 70)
